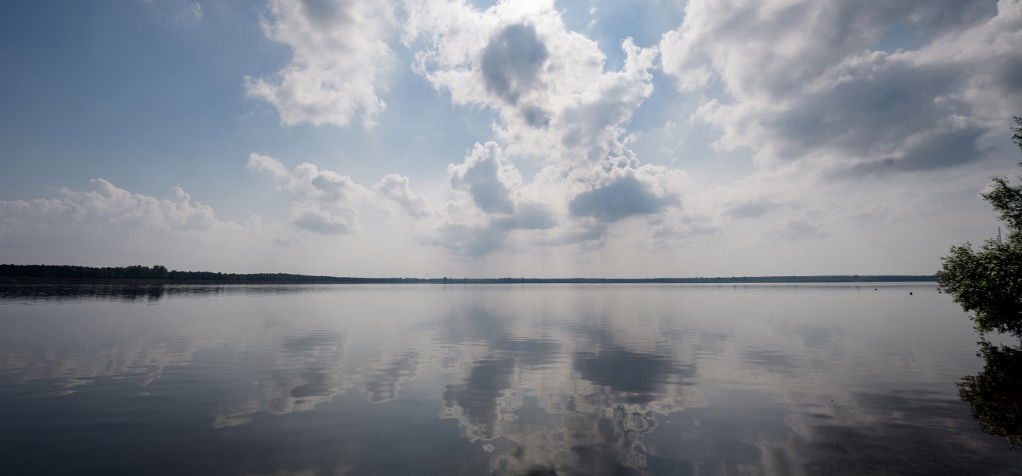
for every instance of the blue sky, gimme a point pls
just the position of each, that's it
(526, 137)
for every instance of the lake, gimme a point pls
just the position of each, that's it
(490, 379)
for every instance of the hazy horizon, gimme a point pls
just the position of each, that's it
(535, 138)
(652, 279)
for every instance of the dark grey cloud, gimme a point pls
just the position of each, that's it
(1008, 75)
(512, 61)
(531, 216)
(480, 240)
(942, 149)
(888, 113)
(935, 16)
(817, 35)
(841, 91)
(621, 198)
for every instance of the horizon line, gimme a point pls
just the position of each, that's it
(159, 273)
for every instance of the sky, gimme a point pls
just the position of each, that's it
(542, 138)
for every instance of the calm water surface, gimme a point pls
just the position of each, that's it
(431, 379)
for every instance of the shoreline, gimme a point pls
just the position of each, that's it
(823, 279)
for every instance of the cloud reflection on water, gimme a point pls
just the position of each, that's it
(544, 380)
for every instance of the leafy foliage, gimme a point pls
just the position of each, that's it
(988, 281)
(995, 394)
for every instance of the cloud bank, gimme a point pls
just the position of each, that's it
(811, 80)
(747, 132)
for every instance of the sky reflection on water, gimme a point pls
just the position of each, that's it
(548, 379)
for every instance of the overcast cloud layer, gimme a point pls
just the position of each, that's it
(749, 138)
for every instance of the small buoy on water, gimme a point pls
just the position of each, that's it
(910, 293)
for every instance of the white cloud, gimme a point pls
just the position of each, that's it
(812, 90)
(339, 58)
(499, 204)
(557, 103)
(108, 205)
(810, 80)
(800, 228)
(322, 201)
(265, 163)
(752, 208)
(686, 229)
(196, 10)
(113, 226)
(396, 187)
(555, 97)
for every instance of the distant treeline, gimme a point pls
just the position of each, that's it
(43, 273)
(153, 273)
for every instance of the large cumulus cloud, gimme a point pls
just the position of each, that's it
(815, 80)
(557, 104)
(497, 204)
(339, 55)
